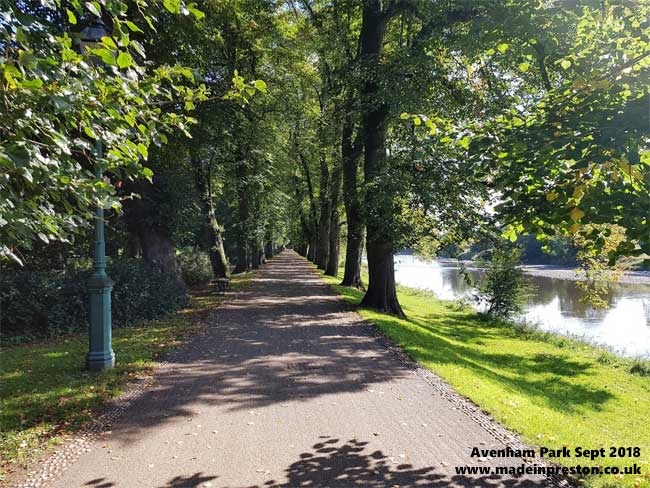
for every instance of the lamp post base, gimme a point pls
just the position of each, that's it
(99, 361)
(100, 351)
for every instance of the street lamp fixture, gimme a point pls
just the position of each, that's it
(100, 354)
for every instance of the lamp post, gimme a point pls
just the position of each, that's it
(100, 354)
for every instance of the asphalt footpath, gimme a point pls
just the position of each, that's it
(288, 387)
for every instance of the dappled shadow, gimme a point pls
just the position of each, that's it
(99, 483)
(286, 338)
(337, 464)
(456, 337)
(333, 463)
(437, 339)
(190, 481)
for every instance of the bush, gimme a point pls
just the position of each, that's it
(195, 266)
(640, 367)
(504, 289)
(36, 304)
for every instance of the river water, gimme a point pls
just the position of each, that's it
(555, 305)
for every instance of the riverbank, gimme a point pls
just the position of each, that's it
(559, 272)
(565, 273)
(552, 390)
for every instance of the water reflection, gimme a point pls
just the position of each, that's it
(555, 305)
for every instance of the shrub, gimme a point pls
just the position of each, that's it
(640, 367)
(504, 289)
(36, 304)
(195, 266)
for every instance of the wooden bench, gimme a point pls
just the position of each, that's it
(220, 285)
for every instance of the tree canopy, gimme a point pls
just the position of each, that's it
(337, 127)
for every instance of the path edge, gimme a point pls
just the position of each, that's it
(53, 464)
(473, 411)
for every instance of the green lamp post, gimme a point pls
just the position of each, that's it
(100, 355)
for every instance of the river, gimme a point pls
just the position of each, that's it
(555, 305)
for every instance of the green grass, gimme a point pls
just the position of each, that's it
(47, 394)
(552, 390)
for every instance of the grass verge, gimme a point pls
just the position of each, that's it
(47, 394)
(552, 390)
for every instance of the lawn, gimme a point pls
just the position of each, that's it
(48, 395)
(551, 390)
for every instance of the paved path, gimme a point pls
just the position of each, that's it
(288, 388)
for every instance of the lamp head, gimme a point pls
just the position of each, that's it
(90, 36)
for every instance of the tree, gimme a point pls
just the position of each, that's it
(571, 149)
(59, 102)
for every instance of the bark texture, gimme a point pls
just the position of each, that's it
(381, 294)
(243, 252)
(350, 158)
(202, 178)
(323, 249)
(143, 220)
(332, 268)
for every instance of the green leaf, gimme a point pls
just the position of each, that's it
(416, 120)
(142, 149)
(404, 116)
(187, 73)
(565, 63)
(147, 172)
(524, 67)
(90, 133)
(18, 154)
(71, 17)
(32, 84)
(174, 6)
(198, 15)
(510, 233)
(94, 8)
(464, 142)
(124, 59)
(133, 27)
(105, 55)
(503, 47)
(260, 85)
(109, 43)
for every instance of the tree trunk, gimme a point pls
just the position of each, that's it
(218, 259)
(303, 247)
(243, 254)
(350, 157)
(381, 294)
(256, 256)
(311, 253)
(155, 241)
(323, 249)
(313, 221)
(269, 249)
(332, 268)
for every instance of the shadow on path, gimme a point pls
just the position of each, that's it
(286, 338)
(336, 464)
